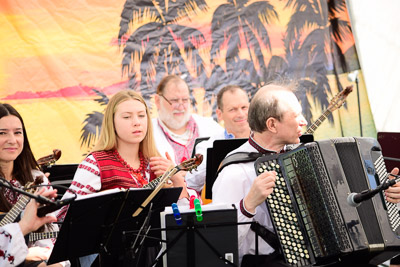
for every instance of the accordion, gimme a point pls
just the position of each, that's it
(309, 209)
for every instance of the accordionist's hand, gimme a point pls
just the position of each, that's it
(261, 188)
(393, 193)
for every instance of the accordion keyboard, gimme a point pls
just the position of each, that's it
(283, 215)
(303, 208)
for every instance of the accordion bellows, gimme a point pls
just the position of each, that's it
(309, 208)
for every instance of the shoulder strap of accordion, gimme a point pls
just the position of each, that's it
(238, 157)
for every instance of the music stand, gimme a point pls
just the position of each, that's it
(196, 142)
(211, 242)
(61, 174)
(390, 144)
(97, 224)
(215, 155)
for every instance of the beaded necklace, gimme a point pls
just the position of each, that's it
(138, 173)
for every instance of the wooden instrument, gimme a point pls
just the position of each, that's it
(44, 235)
(49, 159)
(159, 182)
(336, 102)
(21, 203)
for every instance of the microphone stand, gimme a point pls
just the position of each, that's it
(143, 232)
(38, 198)
(359, 107)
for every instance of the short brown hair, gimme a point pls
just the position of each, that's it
(266, 104)
(228, 88)
(166, 80)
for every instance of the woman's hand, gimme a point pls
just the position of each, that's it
(159, 165)
(30, 221)
(38, 254)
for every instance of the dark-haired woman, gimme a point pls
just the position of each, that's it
(18, 166)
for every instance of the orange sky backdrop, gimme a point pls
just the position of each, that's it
(49, 45)
(63, 48)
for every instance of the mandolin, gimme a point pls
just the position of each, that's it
(33, 237)
(335, 103)
(49, 159)
(18, 207)
(158, 183)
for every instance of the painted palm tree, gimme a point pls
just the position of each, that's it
(160, 46)
(92, 123)
(312, 50)
(318, 23)
(157, 46)
(240, 24)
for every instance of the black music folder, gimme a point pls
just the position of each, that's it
(103, 222)
(215, 155)
(390, 144)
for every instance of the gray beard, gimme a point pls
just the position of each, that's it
(170, 121)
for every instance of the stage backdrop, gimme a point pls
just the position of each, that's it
(61, 60)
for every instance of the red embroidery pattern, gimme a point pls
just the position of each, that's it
(4, 254)
(183, 152)
(114, 174)
(81, 186)
(137, 173)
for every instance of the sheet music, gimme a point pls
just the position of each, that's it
(208, 207)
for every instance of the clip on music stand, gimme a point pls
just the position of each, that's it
(97, 224)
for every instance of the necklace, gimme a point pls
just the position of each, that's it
(138, 173)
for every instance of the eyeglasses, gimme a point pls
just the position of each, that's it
(176, 102)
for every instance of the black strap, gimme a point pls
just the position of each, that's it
(238, 157)
(270, 237)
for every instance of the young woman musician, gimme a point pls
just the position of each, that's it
(125, 155)
(18, 166)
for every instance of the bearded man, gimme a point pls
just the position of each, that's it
(176, 128)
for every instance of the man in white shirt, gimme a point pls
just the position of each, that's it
(232, 108)
(176, 129)
(275, 118)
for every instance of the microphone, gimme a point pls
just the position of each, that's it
(40, 199)
(49, 205)
(177, 214)
(352, 76)
(53, 206)
(197, 209)
(355, 199)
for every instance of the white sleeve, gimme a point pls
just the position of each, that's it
(86, 181)
(13, 249)
(208, 126)
(230, 187)
(197, 178)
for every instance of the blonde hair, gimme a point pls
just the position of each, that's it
(108, 137)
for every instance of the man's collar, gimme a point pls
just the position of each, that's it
(228, 135)
(262, 150)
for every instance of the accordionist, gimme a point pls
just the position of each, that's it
(276, 120)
